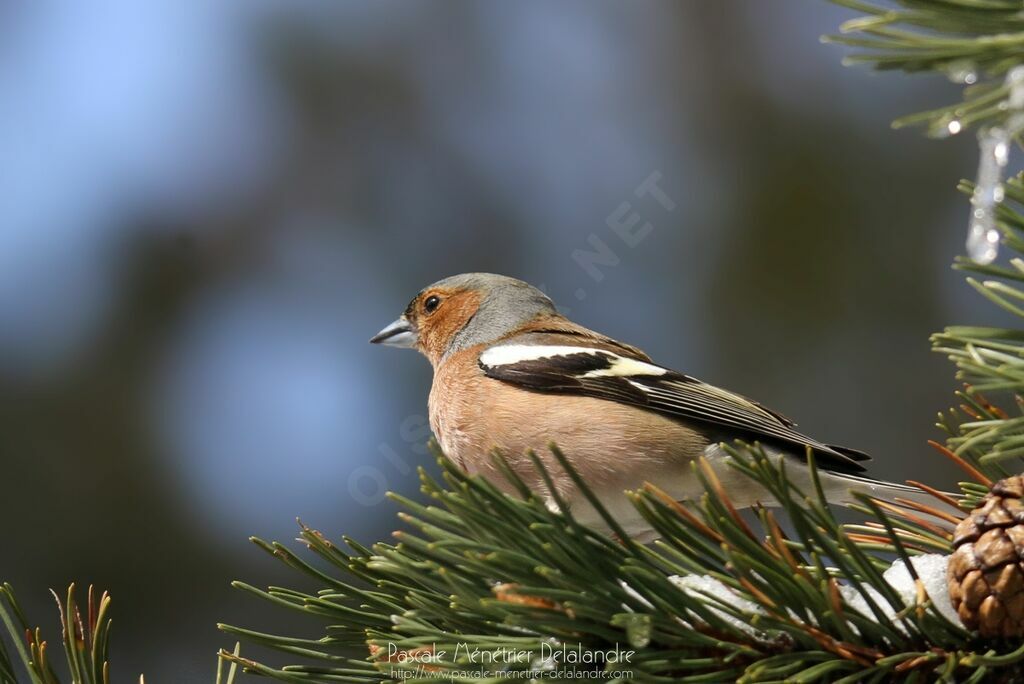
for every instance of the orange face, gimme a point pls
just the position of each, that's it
(437, 314)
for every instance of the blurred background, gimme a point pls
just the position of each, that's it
(206, 209)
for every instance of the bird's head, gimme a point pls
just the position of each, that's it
(463, 311)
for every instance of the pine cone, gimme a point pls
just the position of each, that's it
(986, 570)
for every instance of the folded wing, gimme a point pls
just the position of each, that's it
(605, 374)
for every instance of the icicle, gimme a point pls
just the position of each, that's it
(983, 236)
(994, 146)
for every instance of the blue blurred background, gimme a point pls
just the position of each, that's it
(206, 209)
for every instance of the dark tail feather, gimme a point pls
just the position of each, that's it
(849, 453)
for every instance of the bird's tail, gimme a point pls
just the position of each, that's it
(842, 485)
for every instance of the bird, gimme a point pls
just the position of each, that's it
(512, 375)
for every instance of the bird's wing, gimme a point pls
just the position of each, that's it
(603, 374)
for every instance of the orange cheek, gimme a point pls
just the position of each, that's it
(437, 331)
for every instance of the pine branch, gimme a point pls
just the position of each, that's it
(479, 572)
(85, 640)
(973, 42)
(990, 361)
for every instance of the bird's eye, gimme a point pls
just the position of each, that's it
(431, 303)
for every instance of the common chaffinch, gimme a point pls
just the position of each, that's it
(512, 374)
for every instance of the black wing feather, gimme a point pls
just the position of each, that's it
(672, 394)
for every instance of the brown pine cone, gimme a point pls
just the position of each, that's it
(986, 570)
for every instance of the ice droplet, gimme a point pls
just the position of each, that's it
(962, 71)
(946, 126)
(1001, 150)
(982, 243)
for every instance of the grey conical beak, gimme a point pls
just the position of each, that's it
(398, 334)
